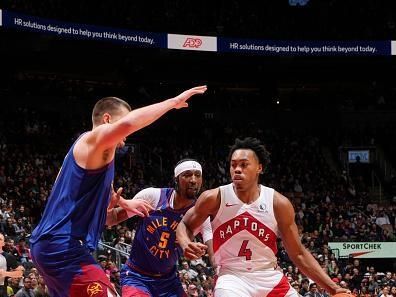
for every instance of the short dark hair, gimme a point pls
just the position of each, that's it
(252, 144)
(111, 105)
(313, 285)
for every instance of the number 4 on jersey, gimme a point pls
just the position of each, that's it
(244, 252)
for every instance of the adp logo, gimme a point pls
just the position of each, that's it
(192, 42)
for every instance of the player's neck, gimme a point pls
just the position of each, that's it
(180, 202)
(248, 196)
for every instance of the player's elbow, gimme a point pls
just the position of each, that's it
(115, 134)
(299, 257)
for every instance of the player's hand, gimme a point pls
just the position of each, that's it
(136, 207)
(115, 198)
(180, 100)
(341, 290)
(194, 250)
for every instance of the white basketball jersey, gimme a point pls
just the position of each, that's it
(244, 235)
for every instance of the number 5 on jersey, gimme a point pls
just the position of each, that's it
(244, 252)
(164, 240)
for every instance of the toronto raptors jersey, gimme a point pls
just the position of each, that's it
(244, 235)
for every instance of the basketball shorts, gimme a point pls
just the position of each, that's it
(141, 285)
(264, 283)
(69, 270)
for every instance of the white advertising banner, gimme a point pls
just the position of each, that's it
(393, 47)
(192, 42)
(365, 249)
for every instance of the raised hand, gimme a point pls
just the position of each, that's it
(181, 99)
(136, 207)
(115, 198)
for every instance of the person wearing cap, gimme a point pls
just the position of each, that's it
(151, 267)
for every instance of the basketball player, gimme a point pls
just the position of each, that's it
(246, 220)
(151, 267)
(75, 213)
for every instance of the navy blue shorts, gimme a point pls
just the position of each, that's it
(69, 270)
(139, 285)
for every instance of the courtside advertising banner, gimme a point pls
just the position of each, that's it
(17, 21)
(305, 48)
(365, 249)
(82, 31)
(192, 42)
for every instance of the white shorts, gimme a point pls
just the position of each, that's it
(264, 283)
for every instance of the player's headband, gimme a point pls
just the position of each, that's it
(187, 165)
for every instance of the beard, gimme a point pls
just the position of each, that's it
(191, 194)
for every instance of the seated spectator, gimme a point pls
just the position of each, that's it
(14, 285)
(186, 269)
(385, 292)
(313, 291)
(304, 287)
(23, 251)
(26, 290)
(41, 290)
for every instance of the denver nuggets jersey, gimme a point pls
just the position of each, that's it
(244, 235)
(76, 207)
(157, 234)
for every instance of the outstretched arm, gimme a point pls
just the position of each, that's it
(108, 136)
(140, 205)
(96, 148)
(206, 205)
(300, 256)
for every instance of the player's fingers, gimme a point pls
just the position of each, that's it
(145, 211)
(190, 255)
(200, 91)
(200, 248)
(139, 213)
(201, 245)
(148, 205)
(199, 88)
(119, 191)
(197, 249)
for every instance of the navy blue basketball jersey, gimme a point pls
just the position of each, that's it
(154, 249)
(77, 205)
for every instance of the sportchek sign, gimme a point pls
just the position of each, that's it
(365, 249)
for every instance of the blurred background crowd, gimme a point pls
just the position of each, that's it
(308, 111)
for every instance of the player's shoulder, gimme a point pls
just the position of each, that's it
(211, 193)
(282, 204)
(82, 141)
(151, 191)
(209, 199)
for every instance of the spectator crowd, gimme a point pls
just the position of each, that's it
(330, 205)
